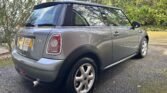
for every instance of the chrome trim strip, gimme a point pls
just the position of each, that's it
(111, 65)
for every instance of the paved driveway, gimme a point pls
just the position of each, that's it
(3, 50)
(148, 75)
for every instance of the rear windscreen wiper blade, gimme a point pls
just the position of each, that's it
(30, 25)
(46, 24)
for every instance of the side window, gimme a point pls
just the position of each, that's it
(90, 13)
(110, 17)
(115, 17)
(79, 20)
(123, 19)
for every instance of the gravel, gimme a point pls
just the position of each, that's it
(148, 75)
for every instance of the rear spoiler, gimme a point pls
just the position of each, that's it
(43, 5)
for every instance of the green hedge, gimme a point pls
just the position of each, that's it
(147, 12)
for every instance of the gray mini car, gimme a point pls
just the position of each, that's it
(69, 43)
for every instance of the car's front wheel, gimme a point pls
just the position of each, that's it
(82, 76)
(143, 49)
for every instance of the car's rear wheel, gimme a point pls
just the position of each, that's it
(82, 76)
(143, 48)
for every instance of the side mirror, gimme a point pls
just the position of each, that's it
(135, 24)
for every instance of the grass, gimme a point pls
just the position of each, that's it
(155, 28)
(5, 62)
(158, 35)
(158, 38)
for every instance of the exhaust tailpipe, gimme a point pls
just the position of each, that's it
(36, 83)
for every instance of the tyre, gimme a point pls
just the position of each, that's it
(82, 77)
(143, 49)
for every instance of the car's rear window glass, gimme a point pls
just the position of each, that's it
(44, 16)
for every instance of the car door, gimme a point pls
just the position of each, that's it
(125, 39)
(100, 34)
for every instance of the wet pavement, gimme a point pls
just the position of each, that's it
(147, 75)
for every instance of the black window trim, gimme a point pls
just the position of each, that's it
(67, 18)
(69, 10)
(71, 2)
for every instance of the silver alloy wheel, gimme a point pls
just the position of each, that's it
(144, 48)
(84, 78)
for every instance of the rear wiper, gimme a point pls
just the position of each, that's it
(29, 25)
(46, 24)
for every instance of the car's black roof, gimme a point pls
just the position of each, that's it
(70, 2)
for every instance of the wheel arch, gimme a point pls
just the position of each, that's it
(83, 51)
(146, 36)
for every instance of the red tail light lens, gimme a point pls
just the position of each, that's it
(54, 45)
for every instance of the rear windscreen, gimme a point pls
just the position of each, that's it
(47, 16)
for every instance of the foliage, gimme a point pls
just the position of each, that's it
(155, 28)
(147, 12)
(13, 13)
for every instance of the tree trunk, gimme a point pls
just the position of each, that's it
(9, 46)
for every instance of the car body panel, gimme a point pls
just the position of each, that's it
(108, 48)
(44, 69)
(39, 37)
(126, 43)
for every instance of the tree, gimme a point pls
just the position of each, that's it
(13, 14)
(147, 12)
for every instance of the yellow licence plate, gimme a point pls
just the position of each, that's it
(24, 43)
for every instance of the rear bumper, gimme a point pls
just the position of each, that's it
(45, 70)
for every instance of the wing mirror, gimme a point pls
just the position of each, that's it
(135, 25)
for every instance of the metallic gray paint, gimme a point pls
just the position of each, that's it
(44, 69)
(111, 47)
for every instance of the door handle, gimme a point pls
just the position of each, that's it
(116, 33)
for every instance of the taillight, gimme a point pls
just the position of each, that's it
(55, 44)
